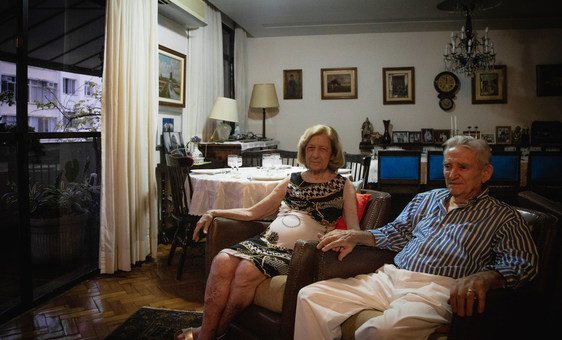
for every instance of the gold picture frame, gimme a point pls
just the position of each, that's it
(490, 87)
(339, 83)
(292, 84)
(171, 77)
(398, 84)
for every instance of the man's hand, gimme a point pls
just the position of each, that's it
(470, 291)
(343, 241)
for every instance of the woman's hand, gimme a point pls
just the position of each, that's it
(203, 224)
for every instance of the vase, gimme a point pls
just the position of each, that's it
(386, 136)
(196, 153)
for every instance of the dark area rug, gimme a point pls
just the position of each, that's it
(155, 323)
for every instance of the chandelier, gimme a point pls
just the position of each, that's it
(467, 52)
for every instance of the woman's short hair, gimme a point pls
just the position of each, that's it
(337, 160)
(478, 146)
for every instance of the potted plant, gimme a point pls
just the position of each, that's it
(60, 214)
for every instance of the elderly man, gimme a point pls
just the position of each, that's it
(453, 246)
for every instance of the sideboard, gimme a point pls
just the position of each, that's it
(217, 152)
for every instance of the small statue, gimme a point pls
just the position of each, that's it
(517, 135)
(366, 131)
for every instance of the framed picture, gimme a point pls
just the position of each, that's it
(173, 141)
(167, 124)
(427, 136)
(490, 138)
(549, 80)
(414, 136)
(490, 87)
(292, 84)
(398, 85)
(400, 137)
(339, 83)
(171, 77)
(441, 136)
(503, 134)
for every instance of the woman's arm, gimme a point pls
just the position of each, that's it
(268, 206)
(350, 206)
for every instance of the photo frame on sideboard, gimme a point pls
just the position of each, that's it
(503, 134)
(427, 136)
(400, 137)
(414, 136)
(339, 83)
(171, 77)
(398, 85)
(490, 87)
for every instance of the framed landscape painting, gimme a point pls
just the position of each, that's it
(339, 83)
(171, 77)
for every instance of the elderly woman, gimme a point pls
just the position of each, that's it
(307, 204)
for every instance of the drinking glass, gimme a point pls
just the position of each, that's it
(232, 161)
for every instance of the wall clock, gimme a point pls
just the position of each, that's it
(447, 84)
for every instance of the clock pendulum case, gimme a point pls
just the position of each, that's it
(447, 85)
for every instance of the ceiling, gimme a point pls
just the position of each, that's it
(64, 35)
(271, 18)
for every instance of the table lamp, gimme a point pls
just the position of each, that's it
(264, 97)
(225, 110)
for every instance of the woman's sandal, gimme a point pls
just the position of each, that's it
(184, 334)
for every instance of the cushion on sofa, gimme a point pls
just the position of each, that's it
(362, 201)
(269, 293)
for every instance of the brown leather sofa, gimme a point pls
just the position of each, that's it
(552, 286)
(272, 314)
(509, 314)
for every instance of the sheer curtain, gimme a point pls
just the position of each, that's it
(240, 79)
(128, 227)
(205, 78)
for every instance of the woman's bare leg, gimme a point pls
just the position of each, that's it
(242, 292)
(217, 292)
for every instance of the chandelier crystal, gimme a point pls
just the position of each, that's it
(468, 53)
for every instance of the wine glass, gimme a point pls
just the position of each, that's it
(232, 161)
(238, 162)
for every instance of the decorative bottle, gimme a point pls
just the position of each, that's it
(386, 136)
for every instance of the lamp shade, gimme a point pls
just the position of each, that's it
(225, 109)
(264, 96)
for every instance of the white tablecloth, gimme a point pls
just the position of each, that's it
(226, 189)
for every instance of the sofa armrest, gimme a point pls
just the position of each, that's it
(224, 232)
(361, 260)
(509, 314)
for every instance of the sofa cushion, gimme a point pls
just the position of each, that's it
(269, 293)
(362, 201)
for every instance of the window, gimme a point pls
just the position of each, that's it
(89, 88)
(68, 85)
(42, 124)
(8, 83)
(41, 91)
(228, 60)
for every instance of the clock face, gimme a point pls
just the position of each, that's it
(446, 104)
(446, 82)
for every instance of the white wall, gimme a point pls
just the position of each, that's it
(521, 51)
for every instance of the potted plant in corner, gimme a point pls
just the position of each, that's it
(59, 214)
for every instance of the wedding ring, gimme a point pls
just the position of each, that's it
(469, 291)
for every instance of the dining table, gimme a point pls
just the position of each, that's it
(226, 188)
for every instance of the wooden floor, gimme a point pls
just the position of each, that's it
(94, 308)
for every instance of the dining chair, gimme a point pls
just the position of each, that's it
(542, 173)
(434, 170)
(505, 181)
(253, 158)
(399, 173)
(178, 168)
(359, 165)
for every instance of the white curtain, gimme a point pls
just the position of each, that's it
(205, 78)
(129, 228)
(240, 78)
